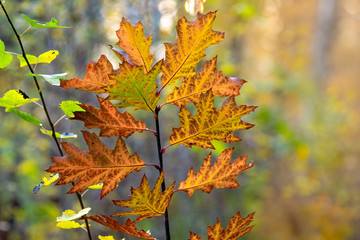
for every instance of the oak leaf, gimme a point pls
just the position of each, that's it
(109, 119)
(135, 44)
(236, 228)
(134, 87)
(208, 78)
(128, 228)
(100, 164)
(210, 123)
(193, 38)
(96, 78)
(147, 203)
(222, 175)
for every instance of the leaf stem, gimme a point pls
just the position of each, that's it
(43, 103)
(160, 152)
(25, 31)
(63, 116)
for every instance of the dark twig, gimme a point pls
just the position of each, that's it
(163, 186)
(43, 103)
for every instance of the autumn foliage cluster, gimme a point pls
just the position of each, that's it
(139, 83)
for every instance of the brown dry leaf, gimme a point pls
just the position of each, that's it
(100, 164)
(128, 228)
(236, 228)
(109, 119)
(96, 79)
(222, 175)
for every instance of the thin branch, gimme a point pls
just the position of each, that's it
(161, 168)
(44, 104)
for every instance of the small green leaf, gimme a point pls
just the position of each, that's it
(53, 79)
(52, 24)
(46, 57)
(13, 98)
(69, 107)
(5, 58)
(72, 215)
(26, 116)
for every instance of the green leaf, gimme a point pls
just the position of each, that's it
(5, 58)
(53, 79)
(72, 215)
(46, 57)
(13, 98)
(52, 24)
(26, 116)
(69, 107)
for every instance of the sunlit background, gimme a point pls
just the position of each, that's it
(302, 63)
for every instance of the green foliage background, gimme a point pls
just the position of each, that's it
(305, 144)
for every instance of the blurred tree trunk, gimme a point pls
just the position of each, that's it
(325, 30)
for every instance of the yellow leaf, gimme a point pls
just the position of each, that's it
(208, 78)
(193, 38)
(106, 237)
(147, 203)
(136, 45)
(46, 57)
(68, 224)
(51, 179)
(222, 175)
(97, 186)
(210, 123)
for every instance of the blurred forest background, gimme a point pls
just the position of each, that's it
(301, 61)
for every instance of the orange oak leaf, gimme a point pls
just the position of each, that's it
(135, 44)
(236, 228)
(210, 123)
(109, 120)
(208, 78)
(147, 203)
(134, 87)
(96, 79)
(222, 175)
(100, 164)
(193, 38)
(128, 228)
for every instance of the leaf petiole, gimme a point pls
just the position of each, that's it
(62, 117)
(25, 31)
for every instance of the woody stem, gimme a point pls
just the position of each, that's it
(160, 152)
